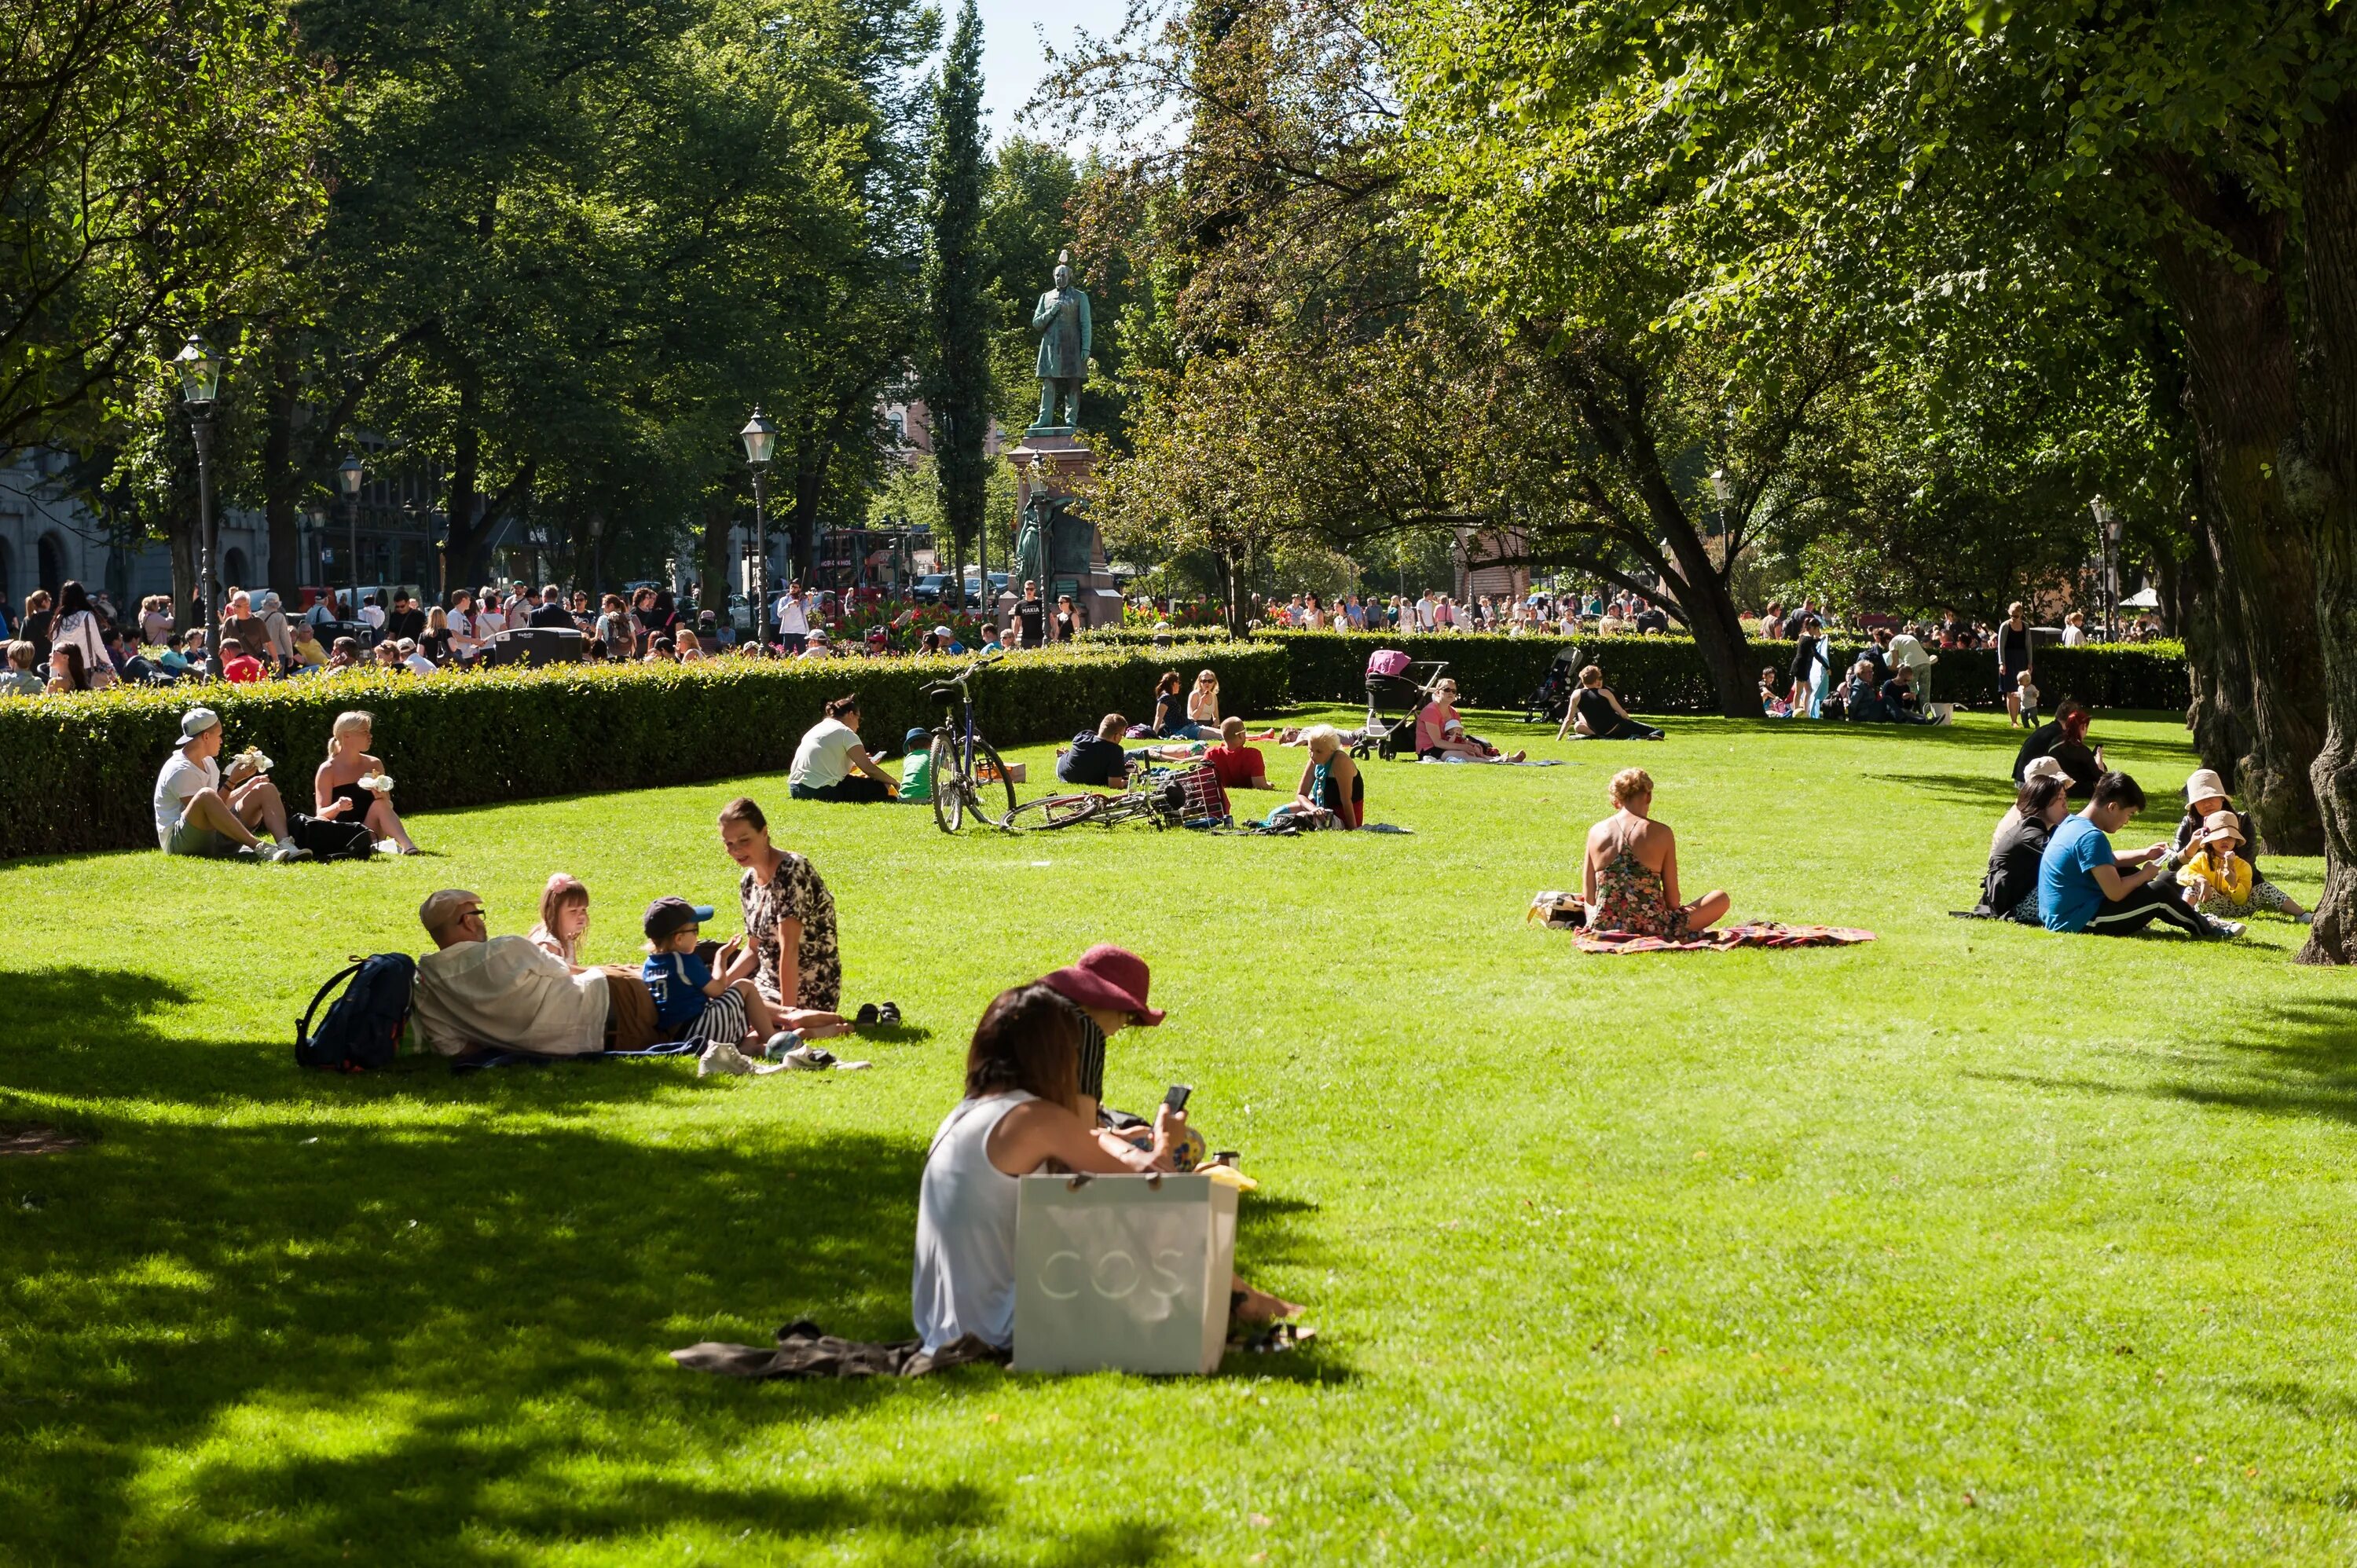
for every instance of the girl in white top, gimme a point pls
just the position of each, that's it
(1203, 702)
(564, 918)
(1020, 1115)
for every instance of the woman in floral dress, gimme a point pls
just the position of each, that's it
(789, 920)
(1630, 878)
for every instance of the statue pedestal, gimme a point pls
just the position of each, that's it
(1053, 463)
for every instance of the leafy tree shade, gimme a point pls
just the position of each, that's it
(957, 368)
(156, 171)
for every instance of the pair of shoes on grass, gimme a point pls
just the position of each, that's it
(783, 1052)
(869, 1015)
(279, 853)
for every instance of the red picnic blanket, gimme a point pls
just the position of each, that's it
(1758, 934)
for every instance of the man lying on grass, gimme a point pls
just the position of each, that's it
(2082, 886)
(475, 989)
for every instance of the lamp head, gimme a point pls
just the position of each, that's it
(199, 370)
(348, 475)
(760, 437)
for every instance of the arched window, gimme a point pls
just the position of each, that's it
(233, 570)
(50, 564)
(7, 572)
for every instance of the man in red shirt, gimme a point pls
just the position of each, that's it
(238, 667)
(1239, 766)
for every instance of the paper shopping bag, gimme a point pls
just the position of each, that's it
(1123, 1273)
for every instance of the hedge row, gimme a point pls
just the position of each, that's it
(79, 772)
(1143, 637)
(1666, 674)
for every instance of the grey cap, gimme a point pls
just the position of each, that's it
(195, 722)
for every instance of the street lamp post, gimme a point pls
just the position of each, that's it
(200, 369)
(348, 478)
(760, 437)
(2107, 527)
(596, 559)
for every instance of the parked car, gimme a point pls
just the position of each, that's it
(929, 588)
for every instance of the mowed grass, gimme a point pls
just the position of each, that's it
(1972, 1244)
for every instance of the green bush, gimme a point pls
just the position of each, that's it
(1666, 674)
(1143, 637)
(80, 770)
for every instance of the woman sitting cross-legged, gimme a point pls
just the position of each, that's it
(2009, 890)
(832, 764)
(1171, 722)
(1629, 877)
(1020, 1116)
(1597, 714)
(351, 786)
(1440, 731)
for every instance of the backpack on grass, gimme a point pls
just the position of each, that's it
(362, 1028)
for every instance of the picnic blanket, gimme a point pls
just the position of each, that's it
(805, 1352)
(1758, 934)
(1498, 762)
(500, 1057)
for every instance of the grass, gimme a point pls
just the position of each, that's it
(1970, 1244)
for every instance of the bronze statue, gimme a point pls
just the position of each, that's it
(1062, 320)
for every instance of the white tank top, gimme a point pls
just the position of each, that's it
(965, 1281)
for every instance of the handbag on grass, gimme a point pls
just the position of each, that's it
(1123, 1273)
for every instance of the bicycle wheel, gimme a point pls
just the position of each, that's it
(991, 781)
(1050, 812)
(950, 789)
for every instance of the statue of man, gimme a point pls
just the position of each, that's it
(1062, 320)
(1031, 554)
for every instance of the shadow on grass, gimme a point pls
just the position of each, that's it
(1963, 788)
(2301, 1062)
(441, 1339)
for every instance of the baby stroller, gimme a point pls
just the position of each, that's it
(1553, 698)
(1396, 692)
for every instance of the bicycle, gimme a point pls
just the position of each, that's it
(1161, 803)
(961, 764)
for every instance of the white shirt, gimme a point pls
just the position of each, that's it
(2073, 635)
(462, 629)
(176, 786)
(374, 616)
(489, 624)
(419, 662)
(825, 755)
(964, 1279)
(792, 620)
(506, 991)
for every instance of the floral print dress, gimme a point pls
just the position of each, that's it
(795, 893)
(1630, 898)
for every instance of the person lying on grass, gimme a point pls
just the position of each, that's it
(478, 990)
(2205, 796)
(2082, 887)
(1628, 877)
(2009, 888)
(199, 811)
(1020, 1116)
(1597, 714)
(1097, 758)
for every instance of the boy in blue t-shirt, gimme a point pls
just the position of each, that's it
(691, 1002)
(2082, 887)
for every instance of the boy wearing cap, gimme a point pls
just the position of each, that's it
(916, 766)
(196, 813)
(691, 1002)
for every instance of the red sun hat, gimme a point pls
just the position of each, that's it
(1109, 977)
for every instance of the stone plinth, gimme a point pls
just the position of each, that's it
(1055, 463)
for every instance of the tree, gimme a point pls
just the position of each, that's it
(957, 369)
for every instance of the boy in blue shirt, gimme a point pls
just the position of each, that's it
(2082, 887)
(725, 1010)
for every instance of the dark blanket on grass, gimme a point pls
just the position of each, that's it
(802, 1351)
(1758, 934)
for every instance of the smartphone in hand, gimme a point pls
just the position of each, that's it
(1176, 1099)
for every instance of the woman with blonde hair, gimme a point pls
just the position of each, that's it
(564, 918)
(351, 786)
(1629, 878)
(1203, 702)
(1332, 792)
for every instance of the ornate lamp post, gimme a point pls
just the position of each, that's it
(760, 438)
(200, 369)
(597, 562)
(348, 474)
(2107, 524)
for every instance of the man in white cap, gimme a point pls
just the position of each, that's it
(475, 989)
(815, 645)
(415, 657)
(198, 813)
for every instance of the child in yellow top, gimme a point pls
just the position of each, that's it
(2216, 875)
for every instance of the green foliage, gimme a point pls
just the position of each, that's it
(957, 363)
(82, 768)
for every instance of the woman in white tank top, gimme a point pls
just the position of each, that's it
(1019, 1115)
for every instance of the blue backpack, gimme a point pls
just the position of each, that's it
(362, 1028)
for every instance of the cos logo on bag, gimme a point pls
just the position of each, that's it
(1115, 1276)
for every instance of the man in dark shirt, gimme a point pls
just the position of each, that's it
(406, 620)
(2063, 737)
(1097, 758)
(1032, 615)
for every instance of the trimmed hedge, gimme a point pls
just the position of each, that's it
(79, 772)
(1666, 674)
(1143, 637)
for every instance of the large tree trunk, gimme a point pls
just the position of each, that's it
(464, 555)
(2243, 396)
(2329, 170)
(719, 508)
(2215, 657)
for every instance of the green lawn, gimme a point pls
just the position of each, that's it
(1970, 1244)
